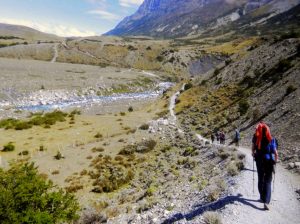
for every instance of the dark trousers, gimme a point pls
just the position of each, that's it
(264, 171)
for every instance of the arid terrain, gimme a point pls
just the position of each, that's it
(123, 122)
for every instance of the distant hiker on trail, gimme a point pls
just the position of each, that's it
(218, 136)
(212, 137)
(237, 137)
(264, 151)
(222, 138)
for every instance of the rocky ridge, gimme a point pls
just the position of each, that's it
(177, 18)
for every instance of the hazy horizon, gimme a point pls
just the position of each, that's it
(67, 17)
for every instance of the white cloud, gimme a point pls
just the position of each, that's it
(100, 3)
(130, 3)
(104, 14)
(60, 30)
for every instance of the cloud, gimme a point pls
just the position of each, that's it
(100, 3)
(104, 14)
(130, 3)
(60, 30)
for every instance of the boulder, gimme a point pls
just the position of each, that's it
(291, 165)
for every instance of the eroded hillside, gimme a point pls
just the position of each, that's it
(262, 83)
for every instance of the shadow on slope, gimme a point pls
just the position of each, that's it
(221, 203)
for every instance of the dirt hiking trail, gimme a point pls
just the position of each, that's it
(244, 206)
(55, 49)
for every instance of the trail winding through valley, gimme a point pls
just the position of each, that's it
(242, 205)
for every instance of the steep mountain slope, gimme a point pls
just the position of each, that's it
(175, 18)
(263, 84)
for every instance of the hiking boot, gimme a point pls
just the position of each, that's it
(266, 206)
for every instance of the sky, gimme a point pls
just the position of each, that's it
(67, 17)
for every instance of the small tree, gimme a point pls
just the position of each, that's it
(26, 197)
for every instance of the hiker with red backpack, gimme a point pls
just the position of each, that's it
(264, 151)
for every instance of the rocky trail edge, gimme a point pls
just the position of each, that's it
(244, 206)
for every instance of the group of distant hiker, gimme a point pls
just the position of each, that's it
(265, 155)
(220, 137)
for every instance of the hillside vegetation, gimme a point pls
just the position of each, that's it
(262, 84)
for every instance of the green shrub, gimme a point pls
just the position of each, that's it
(216, 72)
(8, 147)
(232, 169)
(228, 61)
(75, 112)
(224, 155)
(26, 197)
(58, 156)
(110, 174)
(243, 106)
(160, 58)
(290, 89)
(8, 123)
(38, 119)
(288, 35)
(24, 153)
(276, 73)
(98, 135)
(151, 190)
(219, 81)
(97, 149)
(131, 48)
(240, 165)
(130, 109)
(248, 81)
(127, 150)
(146, 146)
(22, 125)
(213, 194)
(144, 127)
(188, 86)
(203, 83)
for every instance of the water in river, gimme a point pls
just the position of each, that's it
(86, 101)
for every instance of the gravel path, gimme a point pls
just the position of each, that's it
(55, 53)
(284, 207)
(242, 205)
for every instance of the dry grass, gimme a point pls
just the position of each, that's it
(212, 218)
(233, 47)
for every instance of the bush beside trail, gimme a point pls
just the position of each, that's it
(26, 197)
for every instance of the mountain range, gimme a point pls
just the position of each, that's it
(178, 18)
